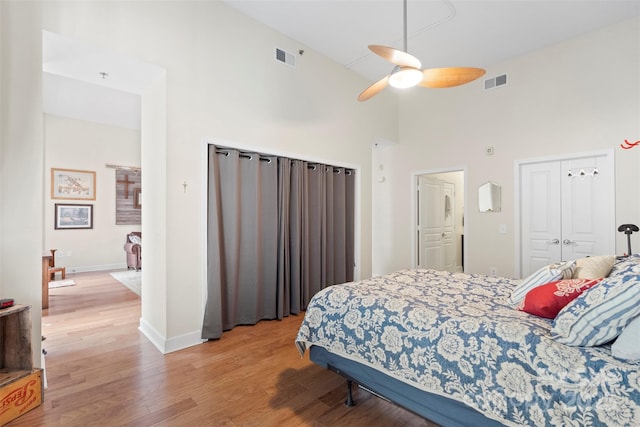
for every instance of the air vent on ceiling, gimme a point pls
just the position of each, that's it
(285, 57)
(495, 82)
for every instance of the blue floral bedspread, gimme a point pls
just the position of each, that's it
(455, 335)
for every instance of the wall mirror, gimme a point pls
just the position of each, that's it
(489, 198)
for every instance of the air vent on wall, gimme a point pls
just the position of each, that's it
(285, 57)
(495, 82)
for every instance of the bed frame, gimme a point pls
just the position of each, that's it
(439, 409)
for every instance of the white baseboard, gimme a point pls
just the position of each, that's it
(172, 344)
(184, 341)
(89, 268)
(154, 336)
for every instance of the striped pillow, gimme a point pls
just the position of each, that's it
(550, 273)
(626, 265)
(600, 313)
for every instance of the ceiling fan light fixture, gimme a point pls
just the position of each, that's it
(405, 77)
(408, 70)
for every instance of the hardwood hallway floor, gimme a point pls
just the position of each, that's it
(102, 371)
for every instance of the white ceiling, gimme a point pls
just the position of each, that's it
(441, 33)
(74, 84)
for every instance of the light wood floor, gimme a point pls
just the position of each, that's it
(103, 372)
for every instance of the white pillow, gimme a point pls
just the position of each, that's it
(627, 345)
(594, 267)
(550, 273)
(600, 313)
(135, 239)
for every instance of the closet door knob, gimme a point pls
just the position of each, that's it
(555, 242)
(568, 242)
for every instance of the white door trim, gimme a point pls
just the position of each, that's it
(517, 166)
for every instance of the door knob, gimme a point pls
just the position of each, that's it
(555, 242)
(567, 242)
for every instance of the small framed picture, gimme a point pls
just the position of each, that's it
(137, 198)
(73, 184)
(70, 217)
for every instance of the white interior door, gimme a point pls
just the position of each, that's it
(436, 208)
(430, 223)
(541, 219)
(448, 242)
(567, 210)
(587, 219)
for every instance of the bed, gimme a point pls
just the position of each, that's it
(452, 348)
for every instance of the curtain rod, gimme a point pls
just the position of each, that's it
(267, 158)
(246, 155)
(111, 166)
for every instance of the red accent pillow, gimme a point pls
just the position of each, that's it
(547, 300)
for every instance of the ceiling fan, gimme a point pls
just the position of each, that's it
(408, 73)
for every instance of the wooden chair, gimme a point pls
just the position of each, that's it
(52, 267)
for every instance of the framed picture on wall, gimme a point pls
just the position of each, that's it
(137, 198)
(70, 217)
(73, 184)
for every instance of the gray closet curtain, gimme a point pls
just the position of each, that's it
(279, 230)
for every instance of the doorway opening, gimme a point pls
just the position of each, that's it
(439, 211)
(93, 121)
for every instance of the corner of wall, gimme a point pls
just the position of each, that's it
(170, 345)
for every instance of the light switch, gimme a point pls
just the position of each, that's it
(502, 229)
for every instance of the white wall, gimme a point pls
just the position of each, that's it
(155, 292)
(82, 145)
(21, 162)
(221, 82)
(578, 96)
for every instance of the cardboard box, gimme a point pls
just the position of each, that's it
(20, 395)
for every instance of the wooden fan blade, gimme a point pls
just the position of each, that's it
(374, 89)
(450, 77)
(395, 56)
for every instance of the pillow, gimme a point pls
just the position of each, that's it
(627, 345)
(599, 314)
(547, 300)
(549, 273)
(593, 267)
(135, 239)
(626, 265)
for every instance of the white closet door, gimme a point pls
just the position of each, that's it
(567, 211)
(586, 208)
(541, 218)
